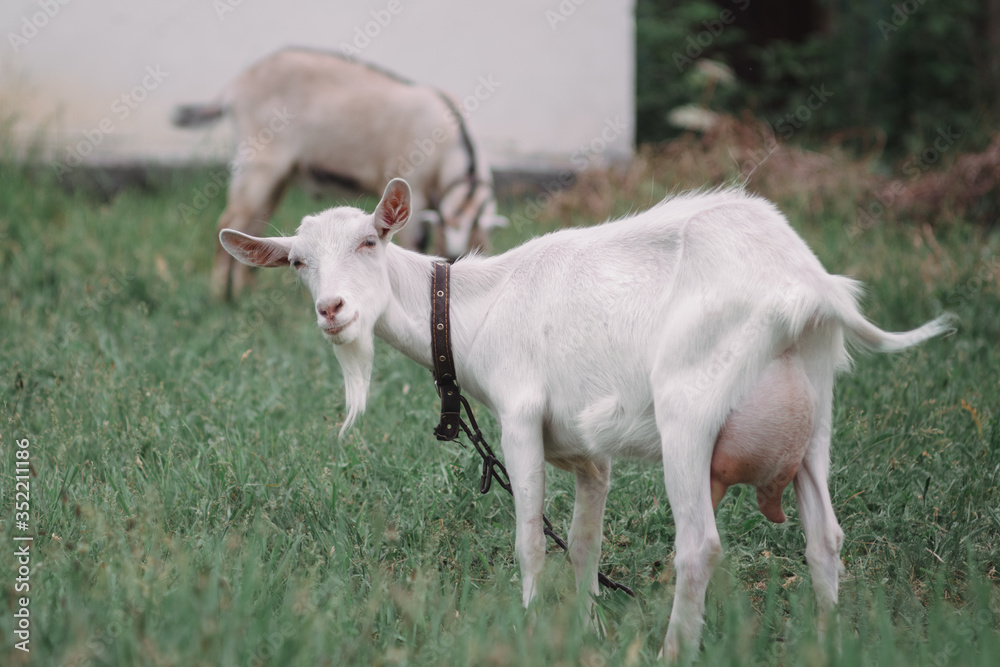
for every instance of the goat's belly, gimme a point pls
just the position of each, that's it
(763, 442)
(606, 427)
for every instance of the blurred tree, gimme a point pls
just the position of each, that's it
(903, 68)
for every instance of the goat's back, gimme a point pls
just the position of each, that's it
(341, 109)
(301, 73)
(717, 254)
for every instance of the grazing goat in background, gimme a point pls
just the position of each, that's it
(331, 121)
(702, 333)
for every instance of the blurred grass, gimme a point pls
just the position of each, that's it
(194, 507)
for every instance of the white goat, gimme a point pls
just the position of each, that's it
(702, 333)
(328, 120)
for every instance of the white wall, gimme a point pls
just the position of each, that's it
(562, 72)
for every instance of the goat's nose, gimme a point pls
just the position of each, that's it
(329, 308)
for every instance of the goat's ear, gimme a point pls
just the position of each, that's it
(254, 251)
(394, 209)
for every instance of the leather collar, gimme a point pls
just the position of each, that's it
(444, 362)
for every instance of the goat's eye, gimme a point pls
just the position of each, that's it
(369, 242)
(298, 264)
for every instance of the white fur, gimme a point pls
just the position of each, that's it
(299, 111)
(635, 338)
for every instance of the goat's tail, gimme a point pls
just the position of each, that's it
(196, 115)
(865, 334)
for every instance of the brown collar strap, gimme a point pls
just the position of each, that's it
(444, 363)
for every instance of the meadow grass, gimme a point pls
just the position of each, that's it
(193, 504)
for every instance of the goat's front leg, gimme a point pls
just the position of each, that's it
(524, 457)
(592, 482)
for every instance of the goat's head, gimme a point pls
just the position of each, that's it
(468, 213)
(340, 256)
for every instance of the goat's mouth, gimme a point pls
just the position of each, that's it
(336, 329)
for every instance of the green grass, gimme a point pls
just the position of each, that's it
(194, 506)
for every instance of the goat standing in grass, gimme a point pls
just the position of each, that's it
(330, 121)
(702, 333)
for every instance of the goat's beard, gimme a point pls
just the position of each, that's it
(356, 359)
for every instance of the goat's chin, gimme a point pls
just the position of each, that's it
(356, 357)
(344, 337)
(342, 334)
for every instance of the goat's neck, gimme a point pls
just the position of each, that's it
(406, 322)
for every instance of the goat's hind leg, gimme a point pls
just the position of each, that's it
(687, 453)
(824, 537)
(254, 192)
(691, 405)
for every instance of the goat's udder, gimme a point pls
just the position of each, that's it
(763, 442)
